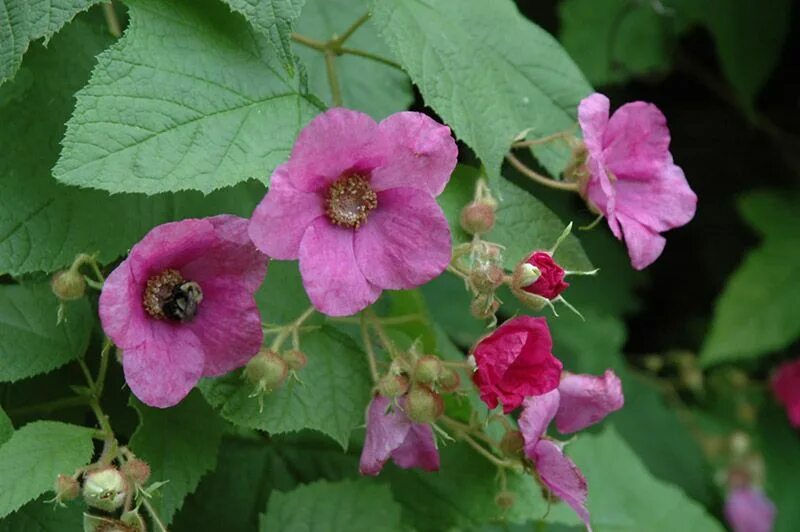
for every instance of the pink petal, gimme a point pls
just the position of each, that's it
(537, 413)
(121, 312)
(164, 368)
(593, 119)
(421, 153)
(644, 244)
(405, 242)
(749, 510)
(386, 431)
(587, 399)
(333, 143)
(331, 276)
(279, 221)
(562, 477)
(170, 245)
(636, 141)
(418, 449)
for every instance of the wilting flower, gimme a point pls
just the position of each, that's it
(356, 204)
(578, 402)
(515, 362)
(786, 387)
(632, 179)
(550, 282)
(181, 306)
(391, 434)
(747, 509)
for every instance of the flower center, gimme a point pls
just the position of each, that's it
(349, 201)
(168, 296)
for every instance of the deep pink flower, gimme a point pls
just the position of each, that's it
(356, 204)
(181, 306)
(515, 362)
(390, 434)
(749, 510)
(786, 387)
(633, 180)
(551, 282)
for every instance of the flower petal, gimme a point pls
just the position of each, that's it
(333, 143)
(587, 399)
(636, 141)
(562, 477)
(405, 242)
(164, 368)
(418, 449)
(749, 510)
(421, 153)
(537, 413)
(386, 431)
(121, 312)
(331, 276)
(644, 244)
(593, 119)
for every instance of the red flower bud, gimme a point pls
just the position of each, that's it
(550, 282)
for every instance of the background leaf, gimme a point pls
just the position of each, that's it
(40, 516)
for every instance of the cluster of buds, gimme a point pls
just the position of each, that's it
(269, 369)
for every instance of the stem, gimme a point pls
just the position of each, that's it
(368, 347)
(337, 42)
(486, 454)
(49, 406)
(539, 178)
(463, 428)
(540, 140)
(100, 381)
(333, 79)
(456, 271)
(390, 320)
(154, 515)
(309, 42)
(382, 336)
(112, 20)
(373, 57)
(287, 330)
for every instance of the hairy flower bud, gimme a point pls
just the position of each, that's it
(68, 285)
(134, 520)
(486, 278)
(505, 499)
(449, 380)
(266, 370)
(512, 443)
(295, 359)
(427, 369)
(484, 306)
(137, 471)
(392, 385)
(423, 405)
(477, 217)
(105, 489)
(66, 488)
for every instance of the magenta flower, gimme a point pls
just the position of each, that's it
(551, 281)
(390, 434)
(632, 179)
(749, 510)
(578, 402)
(786, 387)
(181, 306)
(356, 205)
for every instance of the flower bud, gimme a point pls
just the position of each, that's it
(477, 217)
(525, 274)
(97, 523)
(423, 405)
(392, 385)
(66, 488)
(137, 471)
(449, 380)
(540, 275)
(427, 369)
(512, 443)
(505, 499)
(104, 489)
(486, 278)
(295, 359)
(68, 285)
(484, 306)
(134, 520)
(266, 370)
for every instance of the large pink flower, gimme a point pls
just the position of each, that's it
(747, 509)
(181, 306)
(356, 204)
(786, 387)
(515, 362)
(633, 180)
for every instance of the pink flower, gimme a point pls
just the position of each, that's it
(578, 402)
(356, 204)
(633, 180)
(515, 362)
(749, 510)
(786, 387)
(390, 434)
(181, 306)
(551, 282)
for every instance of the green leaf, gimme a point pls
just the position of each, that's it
(486, 70)
(35, 455)
(40, 516)
(622, 494)
(273, 19)
(181, 445)
(44, 224)
(187, 99)
(28, 20)
(6, 427)
(367, 85)
(330, 397)
(282, 298)
(780, 447)
(33, 342)
(348, 506)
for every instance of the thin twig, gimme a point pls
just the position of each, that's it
(309, 42)
(340, 40)
(373, 57)
(49, 406)
(111, 19)
(539, 178)
(333, 78)
(368, 347)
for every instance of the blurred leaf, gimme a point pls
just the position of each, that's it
(6, 428)
(489, 72)
(330, 397)
(181, 445)
(33, 342)
(188, 98)
(448, 301)
(374, 88)
(282, 297)
(780, 447)
(41, 516)
(35, 455)
(347, 506)
(773, 214)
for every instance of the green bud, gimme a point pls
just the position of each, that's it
(505, 499)
(449, 380)
(512, 443)
(104, 489)
(423, 405)
(137, 471)
(484, 306)
(295, 359)
(427, 369)
(393, 385)
(477, 217)
(66, 488)
(266, 370)
(68, 285)
(134, 520)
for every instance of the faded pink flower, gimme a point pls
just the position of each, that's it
(516, 361)
(587, 399)
(786, 387)
(356, 205)
(749, 510)
(181, 306)
(391, 434)
(633, 181)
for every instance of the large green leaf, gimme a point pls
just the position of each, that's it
(331, 395)
(624, 496)
(187, 99)
(41, 516)
(32, 340)
(368, 86)
(35, 455)
(486, 70)
(360, 505)
(6, 427)
(181, 445)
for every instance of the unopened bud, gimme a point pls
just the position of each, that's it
(104, 489)
(393, 385)
(477, 217)
(266, 370)
(512, 443)
(505, 499)
(484, 306)
(137, 471)
(449, 380)
(525, 274)
(423, 405)
(66, 488)
(427, 369)
(487, 278)
(68, 285)
(295, 359)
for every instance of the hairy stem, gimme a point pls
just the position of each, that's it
(539, 178)
(333, 78)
